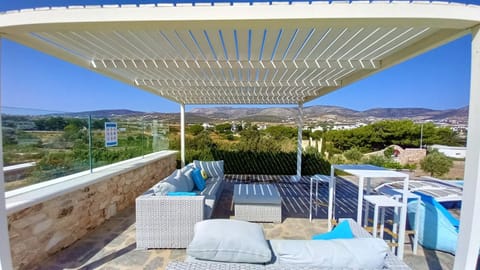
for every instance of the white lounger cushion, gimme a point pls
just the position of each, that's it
(358, 253)
(229, 241)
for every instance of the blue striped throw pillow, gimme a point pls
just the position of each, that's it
(212, 168)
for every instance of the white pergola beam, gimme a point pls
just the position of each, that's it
(469, 236)
(343, 14)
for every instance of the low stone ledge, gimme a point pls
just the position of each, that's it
(45, 220)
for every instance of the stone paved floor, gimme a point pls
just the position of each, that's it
(112, 245)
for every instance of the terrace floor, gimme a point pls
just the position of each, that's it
(112, 245)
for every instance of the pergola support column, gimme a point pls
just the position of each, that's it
(5, 255)
(468, 243)
(182, 134)
(299, 142)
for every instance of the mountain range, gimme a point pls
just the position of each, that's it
(289, 114)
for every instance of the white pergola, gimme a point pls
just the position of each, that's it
(260, 53)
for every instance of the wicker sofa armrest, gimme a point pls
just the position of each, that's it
(167, 221)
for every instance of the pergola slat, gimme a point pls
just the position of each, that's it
(302, 56)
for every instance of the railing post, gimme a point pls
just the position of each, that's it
(299, 141)
(5, 255)
(468, 242)
(182, 134)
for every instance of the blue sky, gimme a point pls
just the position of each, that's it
(438, 79)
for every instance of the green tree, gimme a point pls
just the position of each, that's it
(71, 132)
(354, 155)
(9, 136)
(381, 134)
(99, 123)
(436, 163)
(195, 129)
(55, 123)
(337, 159)
(388, 152)
(252, 140)
(79, 123)
(447, 136)
(281, 132)
(376, 160)
(317, 135)
(40, 124)
(310, 150)
(200, 142)
(306, 134)
(222, 128)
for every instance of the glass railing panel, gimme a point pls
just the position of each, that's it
(134, 137)
(41, 145)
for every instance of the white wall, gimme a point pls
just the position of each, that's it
(454, 152)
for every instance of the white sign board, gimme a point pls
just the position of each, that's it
(111, 137)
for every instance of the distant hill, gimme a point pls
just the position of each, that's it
(106, 113)
(289, 114)
(325, 113)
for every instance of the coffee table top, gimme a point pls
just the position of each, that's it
(256, 194)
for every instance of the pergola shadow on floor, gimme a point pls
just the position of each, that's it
(295, 196)
(112, 245)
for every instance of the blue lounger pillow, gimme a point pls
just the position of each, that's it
(341, 231)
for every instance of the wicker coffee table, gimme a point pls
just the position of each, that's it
(257, 202)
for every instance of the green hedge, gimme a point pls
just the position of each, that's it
(273, 163)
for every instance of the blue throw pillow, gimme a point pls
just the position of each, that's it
(179, 193)
(342, 231)
(198, 179)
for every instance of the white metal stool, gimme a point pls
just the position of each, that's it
(317, 178)
(381, 201)
(414, 230)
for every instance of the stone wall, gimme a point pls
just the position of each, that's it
(412, 155)
(404, 156)
(47, 227)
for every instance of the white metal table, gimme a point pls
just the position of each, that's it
(367, 172)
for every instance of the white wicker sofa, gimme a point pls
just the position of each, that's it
(164, 221)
